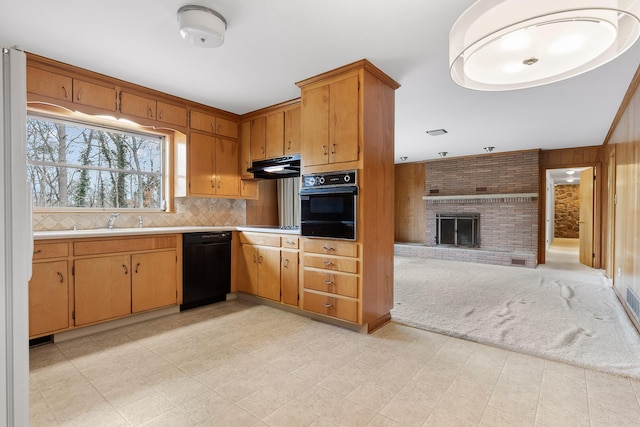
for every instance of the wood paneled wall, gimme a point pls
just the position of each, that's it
(409, 207)
(624, 143)
(572, 158)
(264, 211)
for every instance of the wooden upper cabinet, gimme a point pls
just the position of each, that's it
(227, 179)
(330, 117)
(258, 138)
(94, 95)
(209, 123)
(274, 135)
(201, 164)
(171, 114)
(245, 149)
(292, 131)
(138, 106)
(315, 126)
(46, 83)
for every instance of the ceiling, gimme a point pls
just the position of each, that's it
(271, 44)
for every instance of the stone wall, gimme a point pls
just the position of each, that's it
(567, 211)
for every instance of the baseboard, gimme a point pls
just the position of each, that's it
(630, 315)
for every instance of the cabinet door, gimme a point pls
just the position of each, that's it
(93, 95)
(258, 138)
(48, 298)
(245, 149)
(343, 130)
(248, 269)
(202, 121)
(289, 274)
(227, 177)
(315, 126)
(137, 106)
(292, 131)
(102, 288)
(172, 114)
(249, 189)
(269, 273)
(153, 280)
(201, 164)
(274, 135)
(226, 128)
(49, 84)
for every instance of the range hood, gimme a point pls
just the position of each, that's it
(279, 167)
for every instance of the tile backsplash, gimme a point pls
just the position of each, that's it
(188, 212)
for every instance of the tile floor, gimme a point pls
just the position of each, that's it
(239, 364)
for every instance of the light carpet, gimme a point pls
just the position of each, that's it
(560, 311)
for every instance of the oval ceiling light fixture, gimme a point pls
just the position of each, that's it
(510, 44)
(201, 26)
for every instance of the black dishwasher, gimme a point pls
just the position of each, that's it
(206, 268)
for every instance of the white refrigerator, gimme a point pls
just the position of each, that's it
(17, 243)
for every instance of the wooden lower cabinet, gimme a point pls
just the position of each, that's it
(289, 276)
(259, 271)
(331, 305)
(331, 278)
(48, 298)
(153, 280)
(268, 266)
(102, 288)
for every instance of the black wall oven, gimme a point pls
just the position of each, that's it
(328, 205)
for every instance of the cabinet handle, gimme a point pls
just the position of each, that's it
(137, 266)
(328, 305)
(213, 184)
(254, 259)
(262, 150)
(260, 259)
(160, 114)
(327, 263)
(61, 277)
(329, 282)
(219, 183)
(66, 93)
(289, 147)
(285, 263)
(213, 127)
(289, 242)
(37, 251)
(328, 248)
(126, 270)
(333, 150)
(324, 150)
(219, 128)
(150, 112)
(79, 94)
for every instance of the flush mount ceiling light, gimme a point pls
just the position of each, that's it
(570, 172)
(443, 154)
(436, 132)
(510, 44)
(403, 158)
(570, 179)
(489, 149)
(201, 26)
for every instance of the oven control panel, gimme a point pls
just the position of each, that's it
(329, 179)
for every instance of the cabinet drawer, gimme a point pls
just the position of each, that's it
(347, 265)
(335, 283)
(331, 306)
(290, 242)
(263, 239)
(50, 250)
(92, 247)
(331, 247)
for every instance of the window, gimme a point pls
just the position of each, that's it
(80, 165)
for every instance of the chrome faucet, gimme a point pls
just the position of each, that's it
(112, 219)
(140, 221)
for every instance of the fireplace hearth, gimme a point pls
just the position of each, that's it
(457, 229)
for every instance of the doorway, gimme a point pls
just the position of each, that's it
(569, 215)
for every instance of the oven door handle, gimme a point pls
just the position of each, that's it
(350, 189)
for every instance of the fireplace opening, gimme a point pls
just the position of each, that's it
(457, 229)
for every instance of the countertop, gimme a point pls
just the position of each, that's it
(104, 232)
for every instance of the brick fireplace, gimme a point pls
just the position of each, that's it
(500, 190)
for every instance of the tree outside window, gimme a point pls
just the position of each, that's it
(76, 165)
